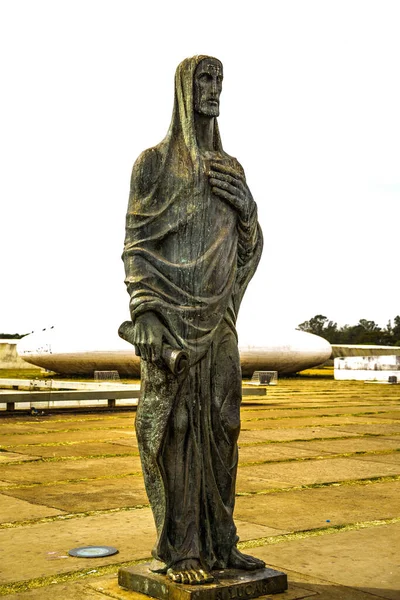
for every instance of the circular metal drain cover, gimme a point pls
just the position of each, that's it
(93, 551)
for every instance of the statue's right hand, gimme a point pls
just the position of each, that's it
(149, 335)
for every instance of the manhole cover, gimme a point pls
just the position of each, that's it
(93, 551)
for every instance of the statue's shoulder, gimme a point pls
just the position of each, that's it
(146, 170)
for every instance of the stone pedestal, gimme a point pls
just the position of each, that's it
(229, 584)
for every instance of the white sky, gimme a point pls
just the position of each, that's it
(310, 107)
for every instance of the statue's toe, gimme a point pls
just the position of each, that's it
(238, 560)
(194, 577)
(205, 576)
(174, 575)
(189, 572)
(185, 577)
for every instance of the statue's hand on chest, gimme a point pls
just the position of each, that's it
(229, 184)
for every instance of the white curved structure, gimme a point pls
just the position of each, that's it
(80, 351)
(287, 352)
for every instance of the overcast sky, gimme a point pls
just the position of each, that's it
(310, 107)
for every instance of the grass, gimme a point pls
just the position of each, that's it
(24, 374)
(318, 372)
(325, 372)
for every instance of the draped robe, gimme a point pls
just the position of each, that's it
(188, 258)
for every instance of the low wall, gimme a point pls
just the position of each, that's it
(9, 358)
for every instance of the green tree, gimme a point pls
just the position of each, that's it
(396, 331)
(366, 332)
(12, 336)
(321, 325)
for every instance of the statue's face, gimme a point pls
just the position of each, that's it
(207, 87)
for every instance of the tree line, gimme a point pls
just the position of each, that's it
(365, 332)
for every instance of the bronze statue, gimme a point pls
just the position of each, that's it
(192, 245)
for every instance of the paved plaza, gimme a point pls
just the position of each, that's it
(318, 494)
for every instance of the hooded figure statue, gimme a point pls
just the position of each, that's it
(192, 245)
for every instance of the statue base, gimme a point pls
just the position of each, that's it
(228, 584)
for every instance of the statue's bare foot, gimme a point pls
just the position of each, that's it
(237, 560)
(189, 571)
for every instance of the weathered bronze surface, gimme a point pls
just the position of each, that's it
(229, 584)
(192, 245)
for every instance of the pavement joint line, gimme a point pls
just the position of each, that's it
(319, 439)
(71, 443)
(70, 576)
(26, 422)
(46, 432)
(245, 408)
(308, 533)
(22, 486)
(271, 406)
(328, 416)
(320, 457)
(366, 397)
(131, 426)
(72, 430)
(323, 426)
(4, 447)
(326, 484)
(329, 400)
(387, 402)
(53, 459)
(296, 488)
(70, 516)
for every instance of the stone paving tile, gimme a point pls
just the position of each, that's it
(88, 495)
(10, 428)
(89, 449)
(388, 459)
(12, 457)
(45, 546)
(74, 469)
(77, 416)
(322, 588)
(251, 531)
(313, 508)
(309, 401)
(49, 424)
(366, 559)
(63, 591)
(395, 415)
(283, 413)
(111, 434)
(381, 428)
(340, 446)
(261, 477)
(13, 509)
(247, 436)
(314, 421)
(130, 443)
(275, 452)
